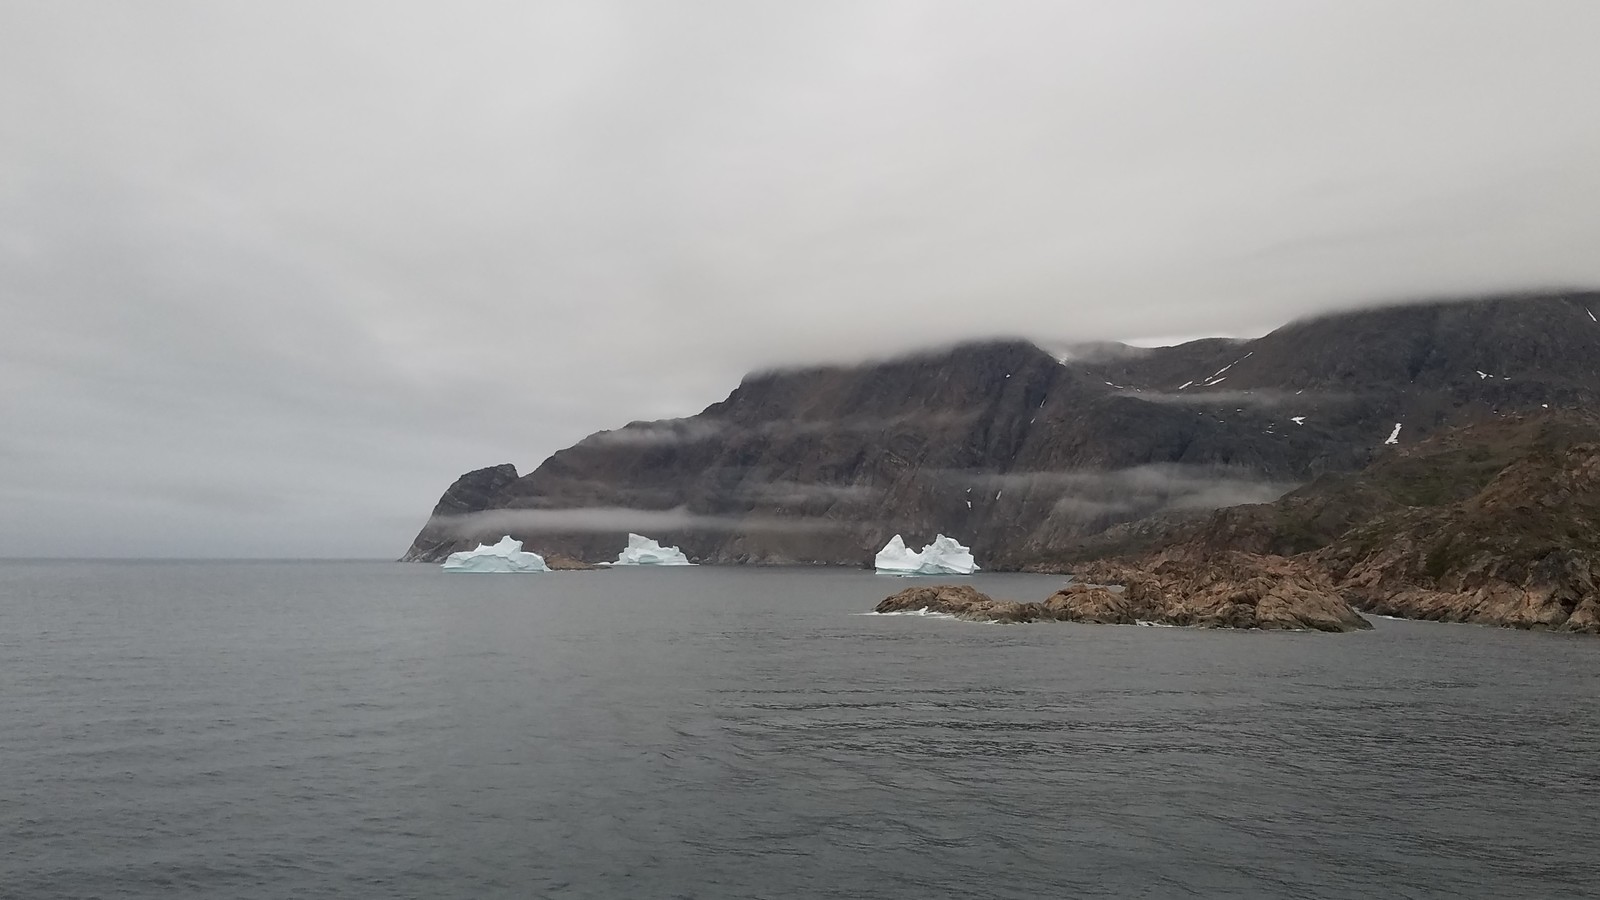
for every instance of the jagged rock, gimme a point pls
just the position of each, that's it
(1585, 617)
(933, 597)
(963, 601)
(1092, 604)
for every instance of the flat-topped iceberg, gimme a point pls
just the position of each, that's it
(506, 556)
(642, 551)
(945, 556)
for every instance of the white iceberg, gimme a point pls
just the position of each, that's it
(506, 556)
(642, 551)
(945, 556)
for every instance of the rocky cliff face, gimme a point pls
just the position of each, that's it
(1022, 454)
(472, 493)
(1496, 523)
(1523, 552)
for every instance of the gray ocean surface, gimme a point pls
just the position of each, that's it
(274, 730)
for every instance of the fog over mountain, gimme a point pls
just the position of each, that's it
(271, 275)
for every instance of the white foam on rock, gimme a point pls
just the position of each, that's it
(505, 557)
(945, 556)
(642, 551)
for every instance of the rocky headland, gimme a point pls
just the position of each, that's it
(1230, 590)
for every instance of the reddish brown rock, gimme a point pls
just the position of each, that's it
(1228, 590)
(941, 598)
(1091, 604)
(1231, 591)
(962, 601)
(1004, 611)
(1522, 552)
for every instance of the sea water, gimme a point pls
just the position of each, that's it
(278, 729)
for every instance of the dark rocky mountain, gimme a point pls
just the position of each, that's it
(1025, 456)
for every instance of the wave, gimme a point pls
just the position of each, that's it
(923, 612)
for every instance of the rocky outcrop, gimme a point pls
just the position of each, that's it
(1095, 604)
(1025, 456)
(1524, 552)
(1234, 591)
(1229, 590)
(959, 600)
(1497, 524)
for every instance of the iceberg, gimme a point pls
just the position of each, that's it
(506, 556)
(945, 556)
(642, 551)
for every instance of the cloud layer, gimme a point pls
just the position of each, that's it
(271, 275)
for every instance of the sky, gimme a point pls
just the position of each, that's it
(272, 275)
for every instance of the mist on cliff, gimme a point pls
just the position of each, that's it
(1100, 497)
(1084, 497)
(274, 274)
(614, 519)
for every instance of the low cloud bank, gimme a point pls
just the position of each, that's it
(1102, 497)
(1264, 399)
(1144, 490)
(678, 432)
(611, 519)
(667, 432)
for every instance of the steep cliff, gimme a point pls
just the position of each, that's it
(472, 493)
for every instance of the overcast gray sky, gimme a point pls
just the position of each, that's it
(273, 274)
